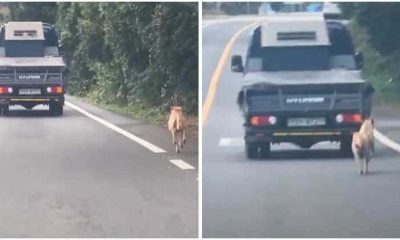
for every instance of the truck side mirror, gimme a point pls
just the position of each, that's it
(359, 58)
(369, 90)
(236, 63)
(60, 49)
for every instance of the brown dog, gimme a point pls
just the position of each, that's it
(176, 127)
(363, 145)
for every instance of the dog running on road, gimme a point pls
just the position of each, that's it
(176, 127)
(363, 145)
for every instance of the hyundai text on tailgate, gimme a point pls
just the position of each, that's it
(31, 67)
(302, 84)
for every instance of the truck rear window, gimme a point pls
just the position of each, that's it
(24, 48)
(290, 59)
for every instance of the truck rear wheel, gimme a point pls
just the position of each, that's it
(345, 146)
(251, 150)
(5, 110)
(56, 109)
(254, 150)
(265, 150)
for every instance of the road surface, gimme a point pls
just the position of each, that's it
(294, 193)
(71, 176)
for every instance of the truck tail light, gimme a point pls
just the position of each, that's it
(5, 90)
(263, 120)
(54, 89)
(348, 118)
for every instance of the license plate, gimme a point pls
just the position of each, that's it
(305, 122)
(29, 92)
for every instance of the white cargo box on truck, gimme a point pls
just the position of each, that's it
(24, 31)
(293, 29)
(31, 67)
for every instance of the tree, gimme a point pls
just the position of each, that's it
(31, 11)
(127, 52)
(380, 20)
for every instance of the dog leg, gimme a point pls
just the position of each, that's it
(184, 137)
(366, 165)
(173, 137)
(358, 161)
(180, 144)
(360, 164)
(367, 159)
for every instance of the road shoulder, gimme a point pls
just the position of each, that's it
(154, 134)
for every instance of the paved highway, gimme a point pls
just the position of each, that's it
(294, 193)
(71, 176)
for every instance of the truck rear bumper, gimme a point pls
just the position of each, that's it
(15, 100)
(298, 135)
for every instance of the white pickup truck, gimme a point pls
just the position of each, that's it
(31, 67)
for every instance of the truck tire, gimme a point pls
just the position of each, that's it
(5, 110)
(254, 150)
(56, 109)
(345, 146)
(265, 150)
(251, 150)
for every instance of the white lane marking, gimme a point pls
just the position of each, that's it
(231, 142)
(386, 141)
(111, 126)
(181, 164)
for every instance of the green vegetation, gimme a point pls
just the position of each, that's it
(376, 34)
(133, 57)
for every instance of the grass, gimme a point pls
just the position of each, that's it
(376, 69)
(153, 115)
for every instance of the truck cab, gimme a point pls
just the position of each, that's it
(31, 67)
(302, 84)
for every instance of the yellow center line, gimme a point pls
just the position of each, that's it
(212, 89)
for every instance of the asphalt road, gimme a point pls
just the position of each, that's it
(294, 193)
(70, 176)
